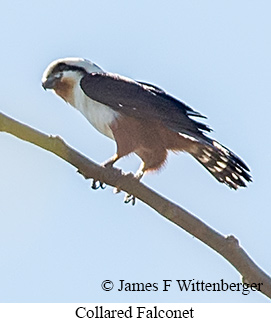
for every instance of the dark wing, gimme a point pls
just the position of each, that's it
(162, 93)
(141, 100)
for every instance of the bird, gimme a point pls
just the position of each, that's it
(143, 119)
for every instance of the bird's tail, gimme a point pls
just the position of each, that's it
(222, 163)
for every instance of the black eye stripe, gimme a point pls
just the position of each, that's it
(64, 67)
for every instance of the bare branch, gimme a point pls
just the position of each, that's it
(228, 247)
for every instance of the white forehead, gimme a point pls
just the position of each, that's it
(74, 61)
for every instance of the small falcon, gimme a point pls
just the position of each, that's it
(142, 119)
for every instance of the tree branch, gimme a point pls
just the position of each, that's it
(228, 247)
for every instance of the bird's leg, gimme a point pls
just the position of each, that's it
(109, 163)
(140, 172)
(138, 175)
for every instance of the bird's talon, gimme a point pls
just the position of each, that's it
(97, 184)
(94, 185)
(129, 198)
(102, 186)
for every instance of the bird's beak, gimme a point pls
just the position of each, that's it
(49, 82)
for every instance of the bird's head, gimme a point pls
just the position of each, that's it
(67, 68)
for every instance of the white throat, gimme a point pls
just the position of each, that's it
(98, 114)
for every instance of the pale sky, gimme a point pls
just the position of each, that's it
(59, 240)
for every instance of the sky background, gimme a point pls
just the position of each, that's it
(58, 238)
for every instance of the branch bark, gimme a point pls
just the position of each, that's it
(227, 247)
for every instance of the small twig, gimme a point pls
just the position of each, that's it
(228, 247)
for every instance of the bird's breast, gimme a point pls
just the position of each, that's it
(98, 114)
